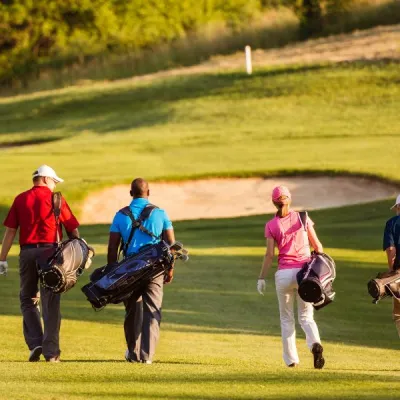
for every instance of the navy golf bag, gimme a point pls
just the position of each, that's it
(116, 282)
(315, 280)
(59, 268)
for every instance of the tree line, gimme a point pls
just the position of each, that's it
(36, 32)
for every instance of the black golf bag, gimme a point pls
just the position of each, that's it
(315, 280)
(59, 268)
(386, 284)
(116, 282)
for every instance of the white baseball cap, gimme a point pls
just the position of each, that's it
(397, 202)
(45, 170)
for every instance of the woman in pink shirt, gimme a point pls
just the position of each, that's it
(286, 232)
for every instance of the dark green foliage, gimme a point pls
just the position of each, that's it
(316, 15)
(87, 37)
(277, 3)
(31, 32)
(338, 6)
(310, 14)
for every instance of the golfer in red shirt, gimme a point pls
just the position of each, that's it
(32, 213)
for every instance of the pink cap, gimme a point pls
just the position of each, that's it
(280, 191)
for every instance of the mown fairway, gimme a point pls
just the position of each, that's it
(323, 117)
(220, 339)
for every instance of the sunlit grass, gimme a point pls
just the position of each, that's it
(219, 338)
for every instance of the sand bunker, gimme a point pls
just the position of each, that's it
(222, 198)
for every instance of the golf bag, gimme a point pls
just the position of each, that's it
(60, 268)
(116, 282)
(315, 280)
(386, 284)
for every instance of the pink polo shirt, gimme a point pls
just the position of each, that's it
(291, 239)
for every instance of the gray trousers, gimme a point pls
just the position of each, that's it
(142, 320)
(29, 299)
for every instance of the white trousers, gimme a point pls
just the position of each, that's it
(286, 289)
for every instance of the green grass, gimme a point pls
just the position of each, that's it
(288, 119)
(219, 338)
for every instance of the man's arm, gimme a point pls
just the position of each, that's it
(113, 245)
(8, 239)
(73, 234)
(169, 236)
(391, 255)
(388, 244)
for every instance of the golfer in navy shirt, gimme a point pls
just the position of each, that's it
(391, 244)
(143, 309)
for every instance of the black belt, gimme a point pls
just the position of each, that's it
(37, 245)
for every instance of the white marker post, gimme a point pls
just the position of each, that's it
(249, 67)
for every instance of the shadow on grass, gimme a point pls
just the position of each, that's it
(216, 293)
(105, 111)
(271, 378)
(380, 394)
(22, 142)
(313, 385)
(119, 109)
(364, 369)
(137, 363)
(110, 110)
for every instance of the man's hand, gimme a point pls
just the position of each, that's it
(169, 277)
(3, 268)
(261, 285)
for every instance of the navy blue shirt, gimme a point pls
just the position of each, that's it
(391, 238)
(156, 223)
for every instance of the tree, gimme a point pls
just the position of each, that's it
(310, 15)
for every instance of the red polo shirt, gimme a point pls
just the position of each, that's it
(32, 212)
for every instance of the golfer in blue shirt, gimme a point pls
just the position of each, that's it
(143, 309)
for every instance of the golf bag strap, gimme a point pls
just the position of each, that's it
(137, 224)
(303, 218)
(318, 303)
(57, 203)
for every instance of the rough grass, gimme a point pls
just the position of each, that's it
(219, 338)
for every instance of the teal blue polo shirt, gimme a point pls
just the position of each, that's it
(156, 223)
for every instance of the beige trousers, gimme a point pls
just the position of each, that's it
(286, 289)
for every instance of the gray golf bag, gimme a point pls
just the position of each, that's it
(315, 280)
(60, 268)
(116, 282)
(386, 284)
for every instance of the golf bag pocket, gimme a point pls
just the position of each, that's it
(60, 268)
(315, 280)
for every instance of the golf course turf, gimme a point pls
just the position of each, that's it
(219, 338)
